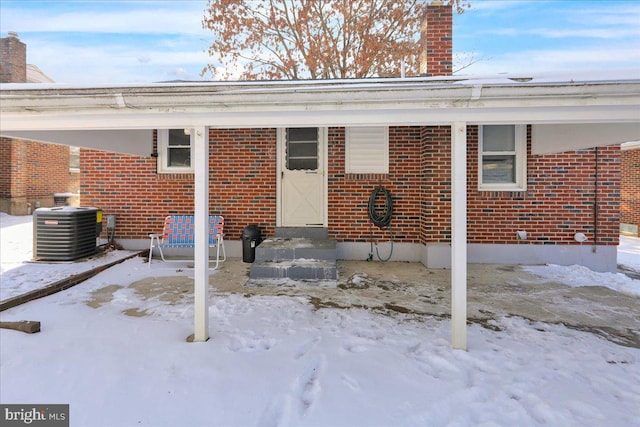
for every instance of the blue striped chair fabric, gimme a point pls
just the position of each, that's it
(178, 232)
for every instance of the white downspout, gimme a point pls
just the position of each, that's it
(459, 235)
(201, 225)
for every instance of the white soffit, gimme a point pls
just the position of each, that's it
(556, 138)
(631, 145)
(138, 142)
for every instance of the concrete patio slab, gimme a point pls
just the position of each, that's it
(409, 288)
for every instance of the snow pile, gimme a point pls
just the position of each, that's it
(16, 233)
(577, 276)
(629, 253)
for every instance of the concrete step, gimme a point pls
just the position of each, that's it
(308, 232)
(289, 249)
(297, 258)
(299, 269)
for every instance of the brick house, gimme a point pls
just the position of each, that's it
(630, 189)
(504, 170)
(549, 197)
(32, 172)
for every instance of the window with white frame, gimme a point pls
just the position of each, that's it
(175, 151)
(502, 158)
(367, 149)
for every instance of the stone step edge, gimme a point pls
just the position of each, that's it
(298, 269)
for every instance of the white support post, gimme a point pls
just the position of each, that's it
(459, 235)
(201, 230)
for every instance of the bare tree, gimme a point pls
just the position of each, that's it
(317, 39)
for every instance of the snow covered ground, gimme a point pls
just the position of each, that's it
(279, 361)
(576, 275)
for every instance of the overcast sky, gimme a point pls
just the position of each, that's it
(150, 41)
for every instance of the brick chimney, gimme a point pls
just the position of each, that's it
(436, 40)
(13, 59)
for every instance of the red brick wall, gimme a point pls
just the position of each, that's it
(129, 188)
(630, 187)
(13, 60)
(11, 164)
(5, 167)
(436, 41)
(349, 193)
(32, 171)
(435, 220)
(243, 179)
(559, 200)
(47, 170)
(242, 185)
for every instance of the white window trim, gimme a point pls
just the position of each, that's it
(163, 144)
(383, 167)
(520, 163)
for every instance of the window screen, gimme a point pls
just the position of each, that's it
(498, 154)
(178, 149)
(502, 158)
(302, 149)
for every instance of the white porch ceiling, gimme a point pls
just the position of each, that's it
(138, 142)
(556, 138)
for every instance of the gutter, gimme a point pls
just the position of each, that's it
(419, 101)
(400, 94)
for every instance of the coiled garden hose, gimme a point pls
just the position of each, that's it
(383, 219)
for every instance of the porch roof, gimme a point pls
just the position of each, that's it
(589, 98)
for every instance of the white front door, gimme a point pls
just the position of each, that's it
(302, 177)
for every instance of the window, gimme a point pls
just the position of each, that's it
(367, 149)
(302, 149)
(174, 151)
(502, 158)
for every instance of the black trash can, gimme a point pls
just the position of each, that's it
(251, 237)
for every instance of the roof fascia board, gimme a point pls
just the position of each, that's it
(304, 105)
(364, 117)
(174, 98)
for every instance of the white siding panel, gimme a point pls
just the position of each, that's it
(367, 149)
